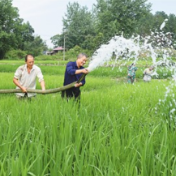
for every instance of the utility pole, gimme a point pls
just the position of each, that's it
(64, 47)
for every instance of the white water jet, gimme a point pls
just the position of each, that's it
(163, 24)
(120, 48)
(158, 46)
(117, 46)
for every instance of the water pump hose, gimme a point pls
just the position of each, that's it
(4, 91)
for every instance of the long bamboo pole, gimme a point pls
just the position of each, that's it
(4, 91)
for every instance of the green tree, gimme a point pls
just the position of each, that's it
(23, 33)
(171, 25)
(117, 16)
(159, 18)
(57, 40)
(35, 47)
(164, 36)
(78, 24)
(93, 42)
(8, 18)
(14, 33)
(145, 25)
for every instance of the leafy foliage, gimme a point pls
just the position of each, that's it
(116, 16)
(78, 24)
(85, 28)
(57, 40)
(15, 34)
(15, 54)
(90, 29)
(8, 21)
(36, 46)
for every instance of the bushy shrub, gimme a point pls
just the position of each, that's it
(72, 53)
(15, 54)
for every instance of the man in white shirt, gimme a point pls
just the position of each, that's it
(147, 74)
(25, 77)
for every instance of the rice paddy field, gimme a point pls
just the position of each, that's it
(119, 129)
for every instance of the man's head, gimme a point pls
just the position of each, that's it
(81, 59)
(151, 68)
(29, 59)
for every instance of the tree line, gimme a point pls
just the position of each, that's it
(82, 27)
(15, 34)
(91, 28)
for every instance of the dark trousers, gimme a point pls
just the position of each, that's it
(72, 93)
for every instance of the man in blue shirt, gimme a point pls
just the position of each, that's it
(73, 72)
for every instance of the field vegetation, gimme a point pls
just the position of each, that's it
(119, 129)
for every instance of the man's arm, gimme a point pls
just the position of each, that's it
(42, 84)
(16, 82)
(85, 71)
(41, 79)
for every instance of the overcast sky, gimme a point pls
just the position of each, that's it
(45, 16)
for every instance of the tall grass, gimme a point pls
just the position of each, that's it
(116, 130)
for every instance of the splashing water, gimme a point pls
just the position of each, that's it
(118, 46)
(158, 46)
(163, 24)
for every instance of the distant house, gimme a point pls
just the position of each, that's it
(55, 50)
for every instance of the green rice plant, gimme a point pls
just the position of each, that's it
(116, 130)
(6, 80)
